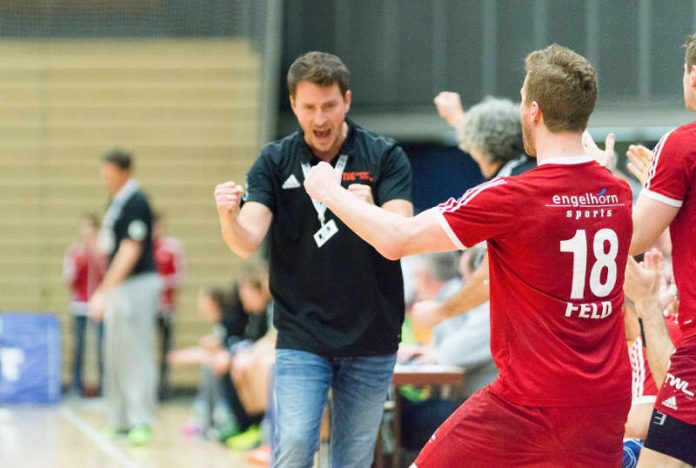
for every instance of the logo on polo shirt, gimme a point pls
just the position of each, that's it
(361, 176)
(291, 183)
(137, 229)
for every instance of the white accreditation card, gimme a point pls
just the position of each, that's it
(325, 232)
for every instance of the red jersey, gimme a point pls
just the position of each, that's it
(83, 270)
(669, 182)
(643, 385)
(169, 259)
(558, 238)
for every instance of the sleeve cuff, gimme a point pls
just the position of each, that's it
(661, 198)
(448, 229)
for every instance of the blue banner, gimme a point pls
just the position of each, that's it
(30, 368)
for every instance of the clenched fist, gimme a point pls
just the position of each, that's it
(228, 198)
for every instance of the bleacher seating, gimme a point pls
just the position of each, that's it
(189, 111)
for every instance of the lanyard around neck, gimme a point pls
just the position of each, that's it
(319, 206)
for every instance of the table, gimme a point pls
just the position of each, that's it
(419, 375)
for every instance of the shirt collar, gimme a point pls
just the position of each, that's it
(130, 187)
(567, 160)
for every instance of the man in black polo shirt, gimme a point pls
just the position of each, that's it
(127, 301)
(338, 303)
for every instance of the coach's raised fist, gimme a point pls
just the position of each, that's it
(228, 197)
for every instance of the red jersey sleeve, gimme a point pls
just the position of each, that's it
(670, 170)
(483, 212)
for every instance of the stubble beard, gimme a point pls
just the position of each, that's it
(528, 141)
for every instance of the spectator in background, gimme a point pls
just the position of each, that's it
(83, 269)
(210, 408)
(239, 320)
(127, 302)
(247, 323)
(170, 262)
(435, 277)
(462, 341)
(491, 133)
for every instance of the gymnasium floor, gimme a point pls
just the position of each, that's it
(66, 436)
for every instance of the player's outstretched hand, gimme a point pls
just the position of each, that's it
(449, 107)
(426, 314)
(319, 179)
(604, 157)
(228, 198)
(642, 282)
(639, 158)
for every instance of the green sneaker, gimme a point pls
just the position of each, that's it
(139, 435)
(247, 440)
(227, 431)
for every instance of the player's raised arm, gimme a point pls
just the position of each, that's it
(393, 235)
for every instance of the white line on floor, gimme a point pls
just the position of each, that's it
(104, 445)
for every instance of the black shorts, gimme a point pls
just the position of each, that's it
(672, 437)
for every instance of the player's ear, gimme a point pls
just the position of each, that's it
(692, 76)
(347, 99)
(535, 111)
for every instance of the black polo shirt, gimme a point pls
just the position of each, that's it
(516, 166)
(343, 299)
(135, 222)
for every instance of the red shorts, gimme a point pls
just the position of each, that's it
(676, 395)
(487, 431)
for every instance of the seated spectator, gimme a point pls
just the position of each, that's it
(251, 372)
(251, 354)
(211, 415)
(239, 320)
(462, 341)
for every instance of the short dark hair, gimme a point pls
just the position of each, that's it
(119, 158)
(564, 84)
(320, 68)
(221, 297)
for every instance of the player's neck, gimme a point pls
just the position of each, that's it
(559, 145)
(488, 170)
